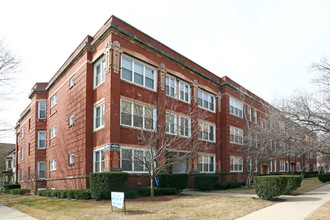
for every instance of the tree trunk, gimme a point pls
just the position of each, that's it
(152, 194)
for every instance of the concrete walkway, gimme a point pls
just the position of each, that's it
(7, 213)
(293, 207)
(190, 192)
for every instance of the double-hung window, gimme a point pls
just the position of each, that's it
(235, 107)
(282, 166)
(22, 153)
(22, 132)
(170, 86)
(52, 164)
(41, 139)
(41, 170)
(171, 123)
(249, 165)
(99, 116)
(249, 113)
(41, 110)
(136, 115)
(71, 120)
(185, 126)
(138, 73)
(53, 132)
(275, 166)
(206, 163)
(98, 160)
(53, 100)
(236, 135)
(236, 164)
(71, 159)
(184, 91)
(206, 100)
(256, 165)
(271, 166)
(134, 160)
(255, 116)
(72, 81)
(298, 167)
(99, 73)
(206, 131)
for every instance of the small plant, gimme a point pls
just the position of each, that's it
(324, 177)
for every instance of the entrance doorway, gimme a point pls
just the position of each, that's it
(264, 169)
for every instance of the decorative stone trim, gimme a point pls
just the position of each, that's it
(195, 85)
(115, 59)
(163, 72)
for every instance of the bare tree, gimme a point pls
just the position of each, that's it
(8, 67)
(32, 181)
(169, 136)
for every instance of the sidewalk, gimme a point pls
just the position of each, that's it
(199, 193)
(7, 213)
(293, 207)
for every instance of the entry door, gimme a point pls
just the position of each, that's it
(264, 169)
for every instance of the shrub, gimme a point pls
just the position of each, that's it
(269, 187)
(235, 184)
(41, 192)
(293, 184)
(62, 194)
(18, 191)
(207, 182)
(130, 194)
(145, 191)
(324, 177)
(54, 193)
(83, 194)
(222, 185)
(48, 193)
(103, 183)
(8, 187)
(167, 191)
(70, 194)
(177, 181)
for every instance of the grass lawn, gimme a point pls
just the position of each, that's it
(164, 207)
(322, 213)
(307, 185)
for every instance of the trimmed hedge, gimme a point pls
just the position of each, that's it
(324, 177)
(145, 191)
(207, 182)
(269, 187)
(70, 194)
(229, 185)
(177, 181)
(294, 182)
(83, 194)
(308, 174)
(102, 184)
(18, 191)
(130, 194)
(222, 185)
(8, 187)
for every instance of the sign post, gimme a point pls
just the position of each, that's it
(118, 200)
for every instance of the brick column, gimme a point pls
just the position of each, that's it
(218, 134)
(194, 125)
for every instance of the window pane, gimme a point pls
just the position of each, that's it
(138, 113)
(138, 160)
(211, 164)
(200, 163)
(126, 160)
(126, 112)
(148, 121)
(138, 74)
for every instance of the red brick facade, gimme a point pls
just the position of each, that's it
(75, 146)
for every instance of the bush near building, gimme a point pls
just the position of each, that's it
(177, 181)
(324, 177)
(145, 191)
(19, 191)
(79, 194)
(294, 182)
(269, 187)
(8, 187)
(102, 184)
(207, 182)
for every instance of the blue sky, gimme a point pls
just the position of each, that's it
(266, 46)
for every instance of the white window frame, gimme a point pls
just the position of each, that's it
(169, 86)
(22, 132)
(52, 165)
(201, 96)
(282, 166)
(40, 140)
(256, 166)
(249, 163)
(39, 109)
(143, 115)
(255, 116)
(189, 126)
(18, 157)
(275, 168)
(22, 175)
(271, 166)
(249, 113)
(53, 100)
(72, 81)
(101, 118)
(287, 166)
(298, 167)
(235, 105)
(100, 150)
(169, 123)
(40, 162)
(71, 120)
(236, 133)
(22, 153)
(209, 158)
(201, 125)
(52, 132)
(184, 84)
(232, 167)
(101, 78)
(145, 170)
(144, 74)
(256, 141)
(71, 159)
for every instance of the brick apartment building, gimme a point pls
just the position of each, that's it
(83, 119)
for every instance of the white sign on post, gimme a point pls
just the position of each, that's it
(117, 199)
